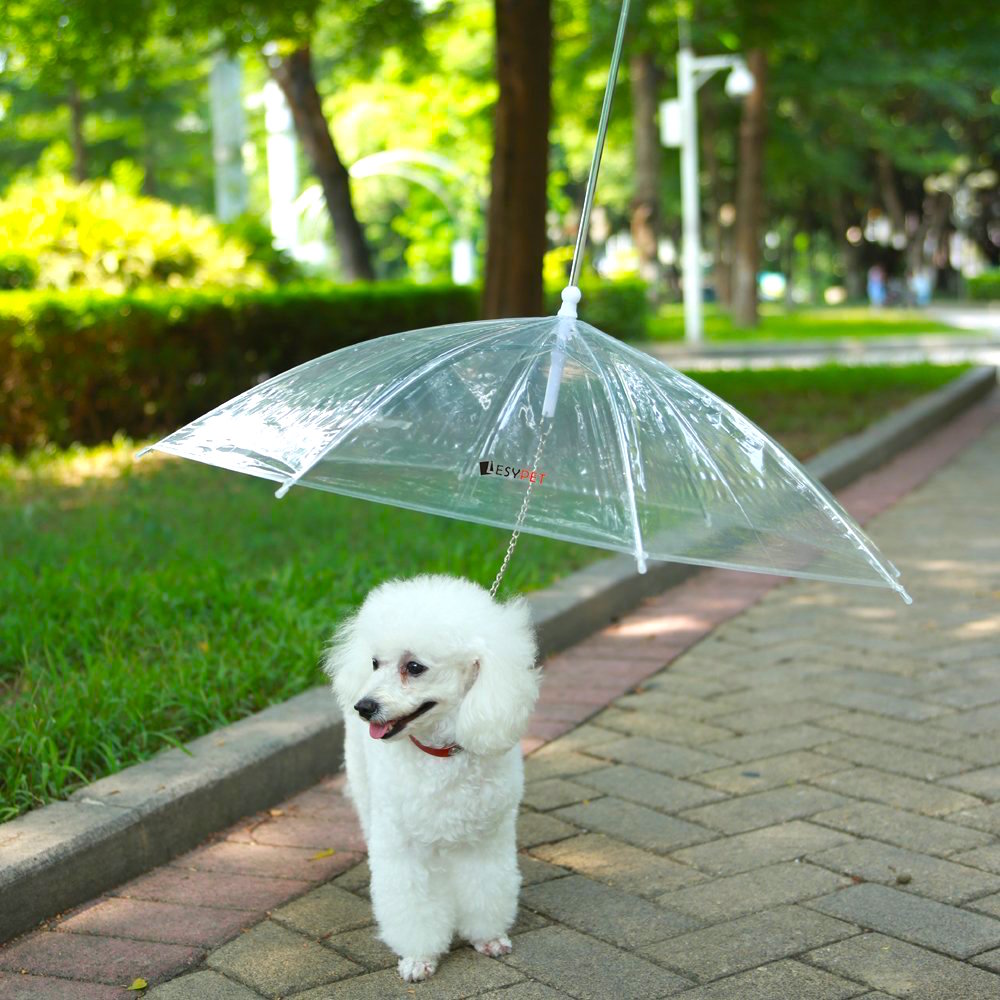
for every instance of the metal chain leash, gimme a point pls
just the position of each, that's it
(522, 513)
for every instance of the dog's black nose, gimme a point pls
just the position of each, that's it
(366, 708)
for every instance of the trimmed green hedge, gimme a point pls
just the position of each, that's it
(79, 367)
(985, 286)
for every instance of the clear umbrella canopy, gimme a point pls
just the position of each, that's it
(547, 426)
(619, 450)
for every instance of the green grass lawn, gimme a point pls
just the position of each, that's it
(778, 323)
(143, 605)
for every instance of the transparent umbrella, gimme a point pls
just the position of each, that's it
(543, 425)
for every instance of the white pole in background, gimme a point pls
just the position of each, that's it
(282, 168)
(691, 261)
(228, 136)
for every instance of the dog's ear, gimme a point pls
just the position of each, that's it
(495, 710)
(348, 664)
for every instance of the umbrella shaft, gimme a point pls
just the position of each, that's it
(602, 131)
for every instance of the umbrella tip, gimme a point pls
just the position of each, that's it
(901, 590)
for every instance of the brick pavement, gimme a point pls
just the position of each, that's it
(741, 791)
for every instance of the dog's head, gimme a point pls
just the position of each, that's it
(437, 657)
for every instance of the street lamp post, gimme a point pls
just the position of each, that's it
(679, 127)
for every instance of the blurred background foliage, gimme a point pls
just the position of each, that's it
(881, 122)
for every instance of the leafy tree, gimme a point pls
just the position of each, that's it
(355, 35)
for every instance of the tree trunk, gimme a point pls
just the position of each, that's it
(643, 76)
(854, 276)
(76, 114)
(890, 193)
(749, 193)
(518, 175)
(294, 74)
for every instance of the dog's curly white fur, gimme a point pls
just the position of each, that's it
(438, 659)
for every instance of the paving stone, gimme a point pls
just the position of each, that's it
(552, 762)
(986, 818)
(610, 914)
(551, 793)
(753, 891)
(14, 986)
(590, 969)
(635, 824)
(731, 947)
(874, 861)
(213, 889)
(526, 991)
(579, 741)
(261, 859)
(918, 736)
(769, 772)
(989, 960)
(462, 973)
(985, 858)
(364, 947)
(527, 920)
(357, 880)
(87, 957)
(205, 985)
(620, 865)
(278, 962)
(533, 870)
(313, 833)
(985, 783)
(658, 791)
(772, 742)
(896, 759)
(917, 833)
(983, 749)
(979, 720)
(541, 828)
(968, 695)
(657, 726)
(748, 812)
(166, 922)
(669, 758)
(894, 790)
(880, 703)
(784, 980)
(913, 918)
(773, 716)
(672, 682)
(986, 904)
(743, 851)
(328, 909)
(675, 704)
(904, 970)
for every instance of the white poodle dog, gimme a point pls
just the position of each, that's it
(436, 681)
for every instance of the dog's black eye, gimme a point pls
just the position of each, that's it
(374, 663)
(414, 669)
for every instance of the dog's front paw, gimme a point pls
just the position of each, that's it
(416, 970)
(494, 948)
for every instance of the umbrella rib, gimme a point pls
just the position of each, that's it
(791, 466)
(690, 434)
(386, 396)
(640, 556)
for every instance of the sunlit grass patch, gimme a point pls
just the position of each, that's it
(779, 323)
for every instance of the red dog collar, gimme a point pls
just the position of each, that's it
(448, 751)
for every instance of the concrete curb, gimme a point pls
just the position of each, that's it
(113, 830)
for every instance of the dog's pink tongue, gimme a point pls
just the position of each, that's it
(378, 729)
